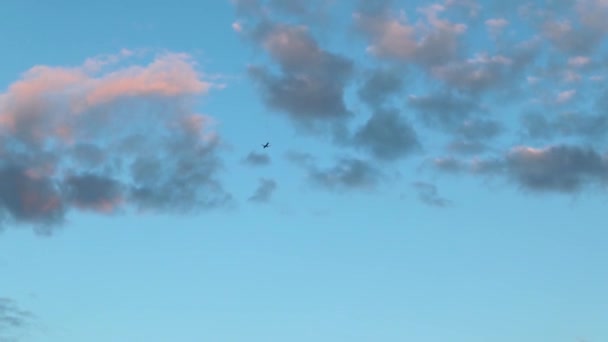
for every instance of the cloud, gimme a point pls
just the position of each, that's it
(26, 197)
(464, 146)
(12, 319)
(479, 129)
(565, 96)
(104, 136)
(307, 99)
(428, 194)
(237, 26)
(556, 168)
(572, 27)
(347, 174)
(257, 159)
(471, 5)
(312, 10)
(392, 37)
(578, 61)
(387, 136)
(264, 191)
(449, 164)
(484, 72)
(309, 82)
(590, 127)
(473, 135)
(93, 192)
(593, 14)
(379, 86)
(461, 87)
(443, 110)
(496, 25)
(571, 39)
(301, 159)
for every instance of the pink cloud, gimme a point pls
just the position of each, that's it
(95, 64)
(169, 75)
(391, 37)
(496, 25)
(66, 133)
(578, 61)
(565, 96)
(429, 42)
(237, 26)
(47, 100)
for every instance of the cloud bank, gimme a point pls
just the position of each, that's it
(106, 136)
(459, 81)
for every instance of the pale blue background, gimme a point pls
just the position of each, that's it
(499, 265)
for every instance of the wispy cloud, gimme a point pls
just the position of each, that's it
(14, 321)
(257, 159)
(428, 194)
(347, 174)
(264, 191)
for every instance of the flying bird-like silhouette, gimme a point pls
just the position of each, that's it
(266, 145)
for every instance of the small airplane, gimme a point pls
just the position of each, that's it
(266, 145)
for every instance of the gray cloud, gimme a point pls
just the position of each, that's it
(387, 136)
(88, 155)
(428, 194)
(380, 85)
(309, 88)
(24, 197)
(257, 159)
(569, 124)
(488, 72)
(479, 129)
(301, 159)
(13, 320)
(464, 146)
(581, 31)
(304, 99)
(91, 191)
(571, 39)
(185, 182)
(264, 191)
(593, 14)
(444, 110)
(347, 174)
(459, 116)
(312, 10)
(559, 168)
(449, 164)
(463, 88)
(83, 138)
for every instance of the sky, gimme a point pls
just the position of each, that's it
(436, 172)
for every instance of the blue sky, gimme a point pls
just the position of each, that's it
(436, 171)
